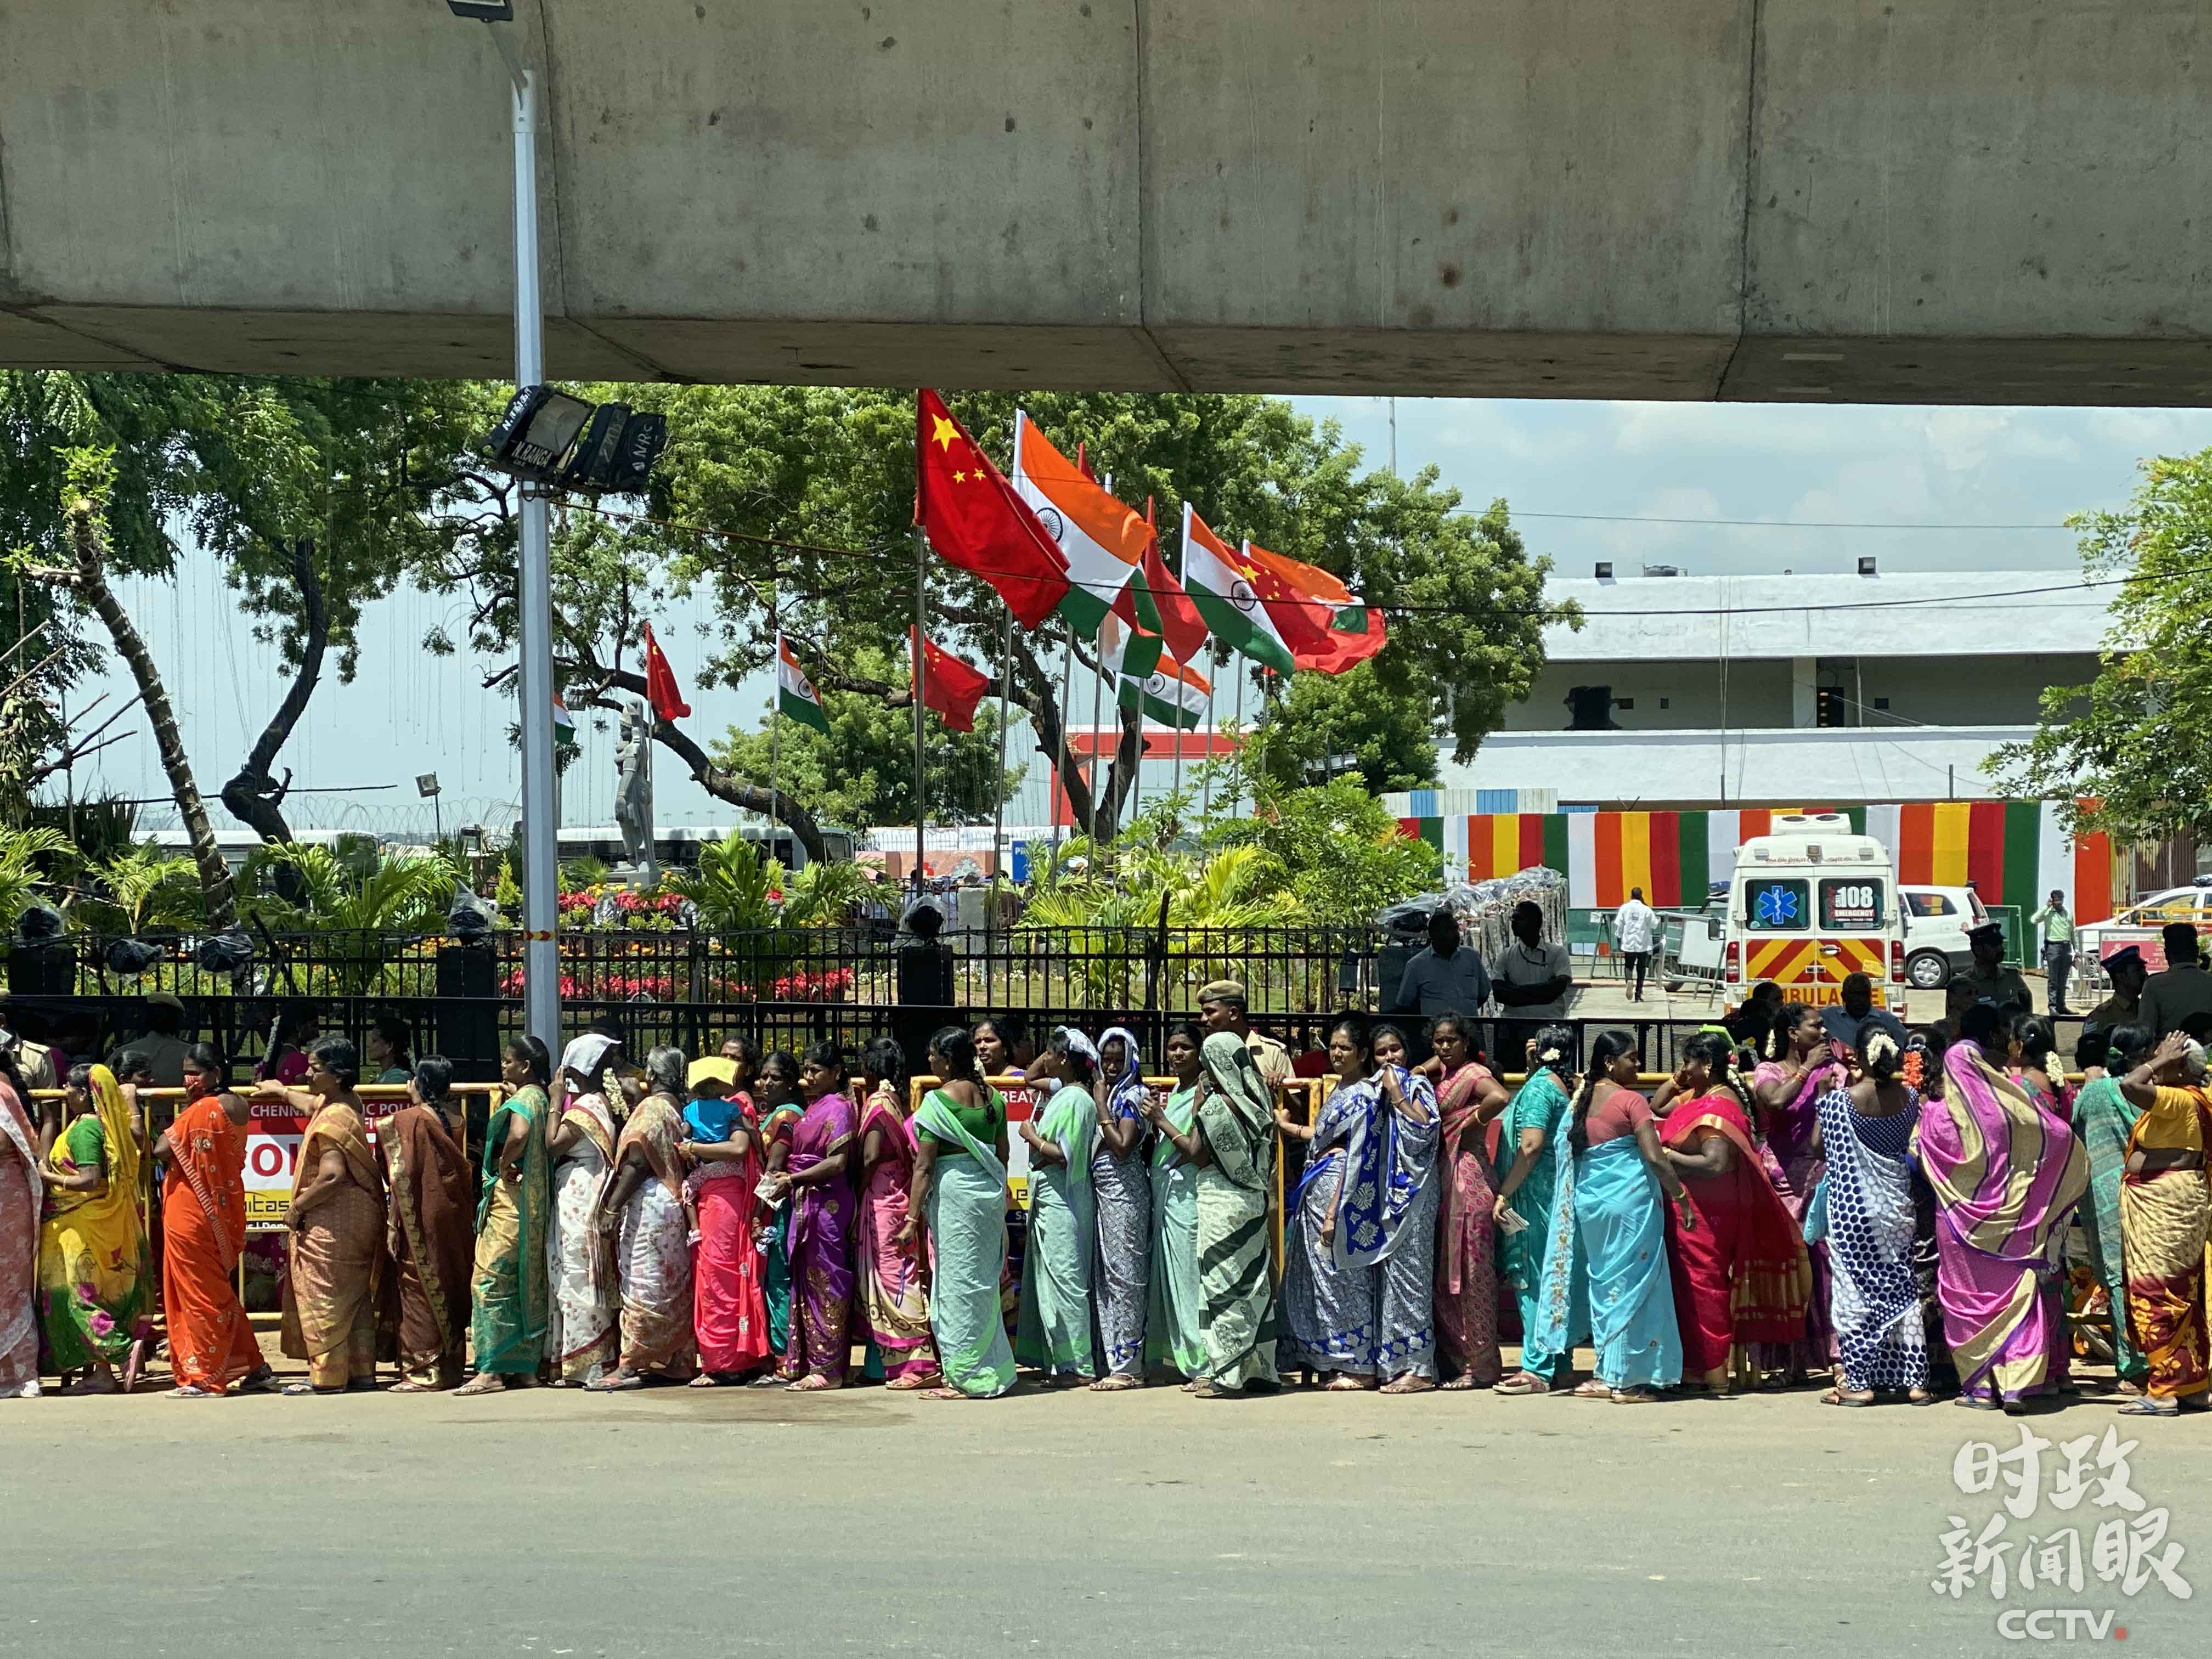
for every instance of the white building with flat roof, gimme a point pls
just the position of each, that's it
(1682, 690)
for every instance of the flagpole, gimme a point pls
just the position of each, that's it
(1097, 766)
(774, 740)
(1236, 721)
(998, 783)
(1205, 785)
(920, 669)
(1067, 742)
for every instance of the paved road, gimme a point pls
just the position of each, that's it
(670, 1522)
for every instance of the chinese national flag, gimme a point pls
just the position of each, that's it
(1326, 628)
(661, 687)
(974, 518)
(949, 685)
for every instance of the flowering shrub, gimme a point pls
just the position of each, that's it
(833, 985)
(611, 905)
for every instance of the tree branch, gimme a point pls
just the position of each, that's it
(90, 579)
(253, 797)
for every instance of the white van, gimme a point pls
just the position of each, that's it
(1810, 903)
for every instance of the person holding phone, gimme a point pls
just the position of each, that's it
(1801, 1064)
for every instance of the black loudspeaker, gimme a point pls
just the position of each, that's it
(42, 970)
(468, 1012)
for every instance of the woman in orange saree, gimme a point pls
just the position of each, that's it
(336, 1223)
(431, 1235)
(1742, 1275)
(21, 1194)
(211, 1342)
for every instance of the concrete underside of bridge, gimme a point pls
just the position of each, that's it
(1955, 201)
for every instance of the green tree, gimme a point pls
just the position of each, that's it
(317, 496)
(796, 507)
(1390, 736)
(1343, 857)
(861, 775)
(2138, 739)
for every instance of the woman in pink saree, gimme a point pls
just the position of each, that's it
(817, 1182)
(1800, 1066)
(2006, 1173)
(894, 1295)
(21, 1194)
(1470, 1099)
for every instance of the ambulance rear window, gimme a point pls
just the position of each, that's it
(1850, 903)
(1775, 906)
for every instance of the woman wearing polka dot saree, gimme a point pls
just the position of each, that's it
(1865, 1132)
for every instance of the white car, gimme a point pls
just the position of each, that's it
(2142, 924)
(1936, 920)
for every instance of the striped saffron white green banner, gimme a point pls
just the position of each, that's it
(2012, 852)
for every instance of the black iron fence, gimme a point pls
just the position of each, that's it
(784, 988)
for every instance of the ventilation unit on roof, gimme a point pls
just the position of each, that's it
(1662, 570)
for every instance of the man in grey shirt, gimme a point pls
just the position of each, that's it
(1532, 978)
(1446, 978)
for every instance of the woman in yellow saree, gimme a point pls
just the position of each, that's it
(95, 1276)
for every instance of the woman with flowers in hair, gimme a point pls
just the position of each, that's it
(1864, 1135)
(1522, 1209)
(1741, 1275)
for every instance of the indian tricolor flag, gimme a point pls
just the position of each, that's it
(1103, 541)
(796, 698)
(1220, 583)
(564, 724)
(1172, 694)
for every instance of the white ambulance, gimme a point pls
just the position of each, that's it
(1810, 903)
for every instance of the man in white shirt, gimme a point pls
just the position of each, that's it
(1635, 931)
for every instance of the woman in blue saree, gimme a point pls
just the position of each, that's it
(1357, 1292)
(960, 1187)
(1611, 1174)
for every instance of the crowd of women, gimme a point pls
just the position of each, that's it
(1893, 1216)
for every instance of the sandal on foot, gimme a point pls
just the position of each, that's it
(943, 1393)
(193, 1391)
(2149, 1407)
(1412, 1383)
(816, 1384)
(1638, 1396)
(1116, 1384)
(1853, 1398)
(1347, 1385)
(301, 1390)
(1523, 1383)
(1592, 1390)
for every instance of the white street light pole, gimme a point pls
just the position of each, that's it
(541, 865)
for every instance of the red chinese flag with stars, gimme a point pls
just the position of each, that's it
(949, 685)
(974, 518)
(661, 687)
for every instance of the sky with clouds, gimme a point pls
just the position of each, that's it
(1595, 464)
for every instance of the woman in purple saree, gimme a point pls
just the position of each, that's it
(1800, 1066)
(816, 1181)
(2006, 1173)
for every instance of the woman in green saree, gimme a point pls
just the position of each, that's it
(1172, 1334)
(960, 1185)
(2104, 1119)
(511, 1288)
(1235, 1112)
(1537, 1117)
(1053, 1331)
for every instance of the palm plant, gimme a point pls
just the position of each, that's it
(366, 900)
(1102, 922)
(149, 888)
(736, 888)
(23, 881)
